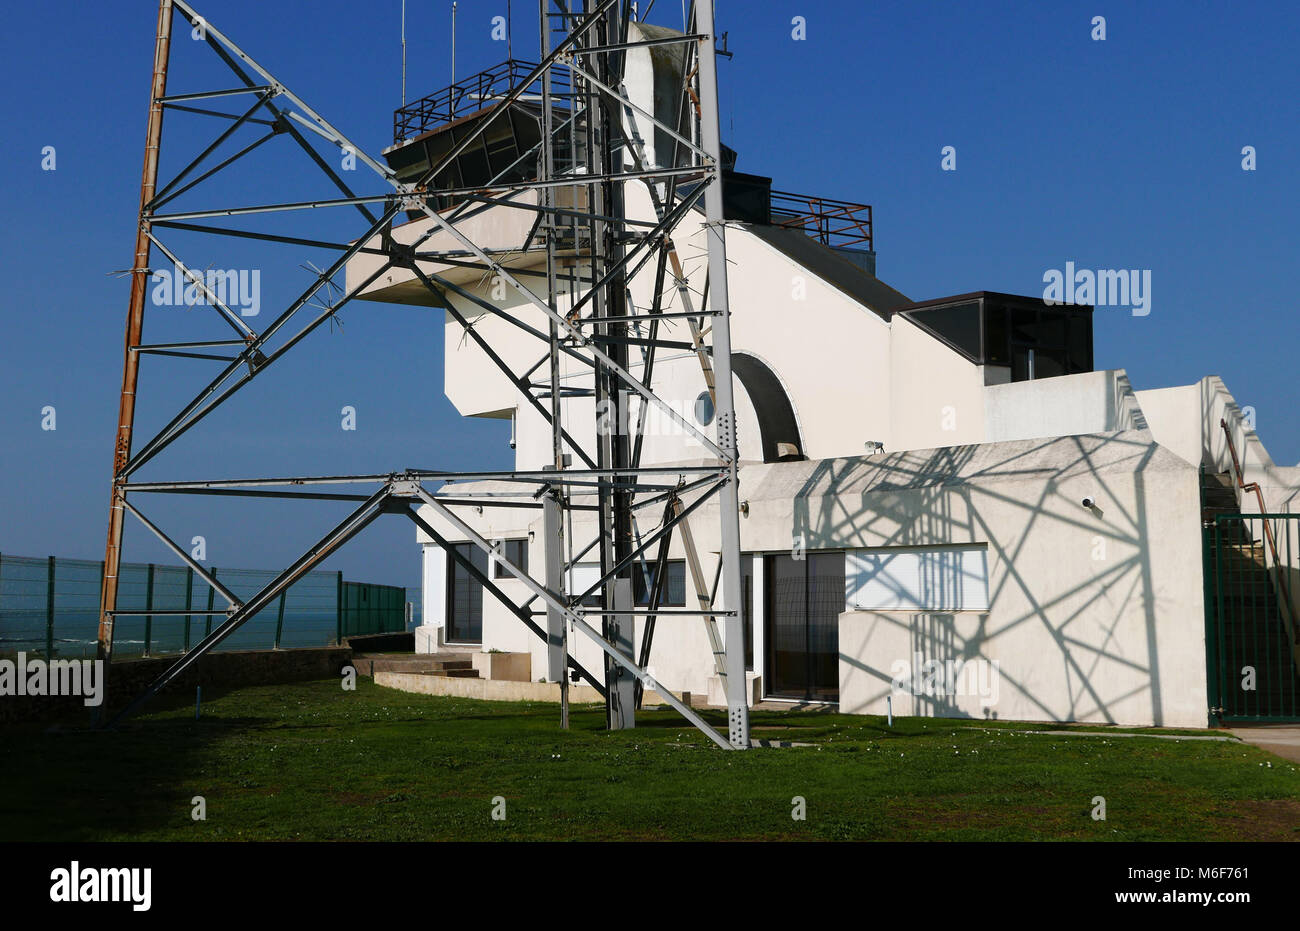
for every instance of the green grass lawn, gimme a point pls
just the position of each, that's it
(313, 762)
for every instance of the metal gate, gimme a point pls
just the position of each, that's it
(365, 608)
(1252, 578)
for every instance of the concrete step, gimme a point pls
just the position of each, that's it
(1214, 480)
(444, 673)
(1212, 509)
(368, 665)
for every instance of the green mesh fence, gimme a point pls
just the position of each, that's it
(50, 606)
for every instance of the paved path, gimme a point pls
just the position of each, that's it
(1282, 739)
(1109, 734)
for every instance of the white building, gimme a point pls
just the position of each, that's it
(913, 483)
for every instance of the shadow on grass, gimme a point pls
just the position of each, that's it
(67, 781)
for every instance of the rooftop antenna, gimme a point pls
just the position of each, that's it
(403, 52)
(509, 54)
(453, 41)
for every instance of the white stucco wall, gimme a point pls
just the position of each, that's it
(831, 353)
(936, 395)
(1093, 616)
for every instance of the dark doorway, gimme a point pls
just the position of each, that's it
(804, 600)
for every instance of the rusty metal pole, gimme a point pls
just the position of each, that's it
(134, 328)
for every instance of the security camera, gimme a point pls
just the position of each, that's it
(1089, 502)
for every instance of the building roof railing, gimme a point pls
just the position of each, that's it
(469, 95)
(835, 223)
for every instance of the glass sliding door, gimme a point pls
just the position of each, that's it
(787, 627)
(826, 602)
(804, 600)
(465, 596)
(747, 607)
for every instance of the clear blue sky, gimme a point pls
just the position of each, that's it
(1116, 154)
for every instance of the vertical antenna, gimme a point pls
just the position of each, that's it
(557, 626)
(453, 41)
(509, 54)
(403, 52)
(134, 330)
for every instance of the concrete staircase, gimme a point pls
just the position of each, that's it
(451, 665)
(1218, 496)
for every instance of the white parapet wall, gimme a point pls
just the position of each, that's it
(1091, 402)
(1188, 420)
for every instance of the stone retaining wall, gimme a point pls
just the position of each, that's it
(237, 668)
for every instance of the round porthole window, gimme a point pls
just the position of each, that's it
(704, 409)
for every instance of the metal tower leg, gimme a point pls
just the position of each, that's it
(552, 543)
(134, 329)
(728, 497)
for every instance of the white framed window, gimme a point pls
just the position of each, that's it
(515, 552)
(582, 577)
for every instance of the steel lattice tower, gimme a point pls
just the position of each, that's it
(589, 125)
